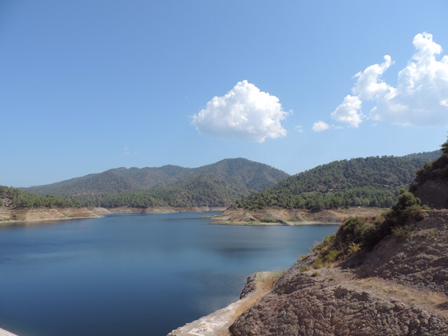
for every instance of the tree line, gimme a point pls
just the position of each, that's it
(23, 199)
(371, 182)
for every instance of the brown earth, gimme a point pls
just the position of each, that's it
(433, 193)
(397, 289)
(163, 209)
(281, 216)
(9, 216)
(431, 184)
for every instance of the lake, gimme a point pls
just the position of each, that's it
(134, 274)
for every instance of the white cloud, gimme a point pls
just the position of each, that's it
(244, 113)
(349, 111)
(369, 86)
(128, 151)
(421, 95)
(299, 128)
(320, 126)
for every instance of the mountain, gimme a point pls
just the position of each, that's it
(372, 181)
(217, 184)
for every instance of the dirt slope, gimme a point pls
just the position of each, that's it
(397, 289)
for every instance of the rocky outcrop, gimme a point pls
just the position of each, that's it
(397, 289)
(319, 309)
(431, 184)
(420, 261)
(433, 193)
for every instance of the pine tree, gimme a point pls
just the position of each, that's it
(445, 148)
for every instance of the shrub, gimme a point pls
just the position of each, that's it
(353, 248)
(357, 233)
(352, 230)
(332, 256)
(403, 233)
(318, 264)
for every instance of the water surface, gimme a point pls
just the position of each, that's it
(133, 274)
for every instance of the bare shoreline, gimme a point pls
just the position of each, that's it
(235, 217)
(43, 215)
(278, 223)
(291, 217)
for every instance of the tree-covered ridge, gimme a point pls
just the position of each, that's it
(108, 181)
(248, 175)
(372, 181)
(16, 198)
(215, 185)
(203, 190)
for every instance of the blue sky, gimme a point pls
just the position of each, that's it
(87, 86)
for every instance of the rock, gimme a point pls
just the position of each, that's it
(400, 288)
(250, 286)
(334, 310)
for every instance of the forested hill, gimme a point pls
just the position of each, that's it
(372, 181)
(218, 184)
(14, 198)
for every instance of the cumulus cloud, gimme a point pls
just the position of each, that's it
(420, 97)
(369, 86)
(299, 128)
(320, 126)
(244, 113)
(349, 111)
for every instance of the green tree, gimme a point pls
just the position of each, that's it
(444, 148)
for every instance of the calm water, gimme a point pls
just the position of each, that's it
(133, 274)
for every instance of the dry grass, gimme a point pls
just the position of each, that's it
(265, 282)
(406, 294)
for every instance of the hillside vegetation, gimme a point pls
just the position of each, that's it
(197, 191)
(15, 198)
(371, 182)
(215, 185)
(401, 220)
